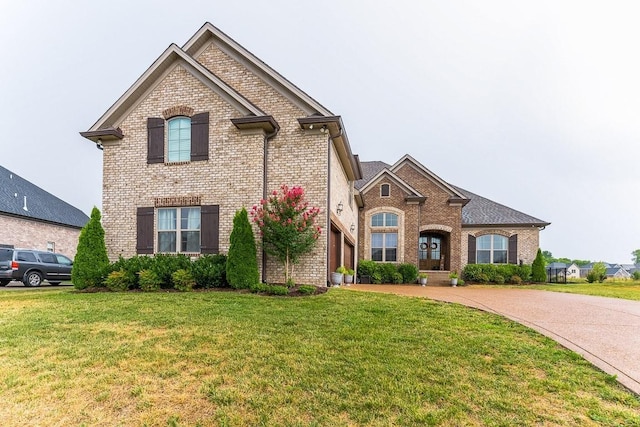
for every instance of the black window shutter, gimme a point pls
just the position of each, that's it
(144, 237)
(155, 140)
(210, 237)
(200, 137)
(513, 249)
(471, 258)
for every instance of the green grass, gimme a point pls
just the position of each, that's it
(340, 359)
(625, 289)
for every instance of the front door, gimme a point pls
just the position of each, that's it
(431, 251)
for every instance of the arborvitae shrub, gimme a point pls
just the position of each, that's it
(91, 262)
(242, 261)
(538, 272)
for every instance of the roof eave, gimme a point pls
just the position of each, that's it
(540, 225)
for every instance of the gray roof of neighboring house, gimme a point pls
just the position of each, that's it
(556, 265)
(16, 193)
(479, 210)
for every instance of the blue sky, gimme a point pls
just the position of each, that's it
(535, 105)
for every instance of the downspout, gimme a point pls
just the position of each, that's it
(265, 147)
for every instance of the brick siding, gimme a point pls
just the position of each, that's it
(31, 234)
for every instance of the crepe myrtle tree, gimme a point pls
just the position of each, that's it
(287, 226)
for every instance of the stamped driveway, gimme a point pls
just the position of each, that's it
(605, 331)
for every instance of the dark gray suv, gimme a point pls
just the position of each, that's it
(32, 267)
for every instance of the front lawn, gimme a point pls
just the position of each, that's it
(625, 289)
(339, 359)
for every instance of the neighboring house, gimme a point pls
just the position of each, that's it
(573, 271)
(411, 215)
(210, 128)
(618, 272)
(31, 218)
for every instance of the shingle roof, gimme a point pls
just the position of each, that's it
(482, 211)
(479, 210)
(369, 170)
(16, 193)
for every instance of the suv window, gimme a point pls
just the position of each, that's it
(63, 260)
(26, 256)
(6, 255)
(48, 258)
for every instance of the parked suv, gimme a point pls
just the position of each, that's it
(32, 267)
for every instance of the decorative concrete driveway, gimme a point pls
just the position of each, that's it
(605, 331)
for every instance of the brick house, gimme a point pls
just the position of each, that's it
(411, 215)
(210, 128)
(32, 218)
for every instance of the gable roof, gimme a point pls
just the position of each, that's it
(171, 57)
(453, 192)
(17, 193)
(479, 211)
(209, 33)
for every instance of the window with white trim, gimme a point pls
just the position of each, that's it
(384, 247)
(384, 219)
(179, 230)
(492, 249)
(179, 139)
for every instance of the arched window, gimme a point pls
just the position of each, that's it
(179, 146)
(384, 219)
(385, 190)
(492, 249)
(384, 243)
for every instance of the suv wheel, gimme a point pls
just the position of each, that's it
(32, 278)
(4, 282)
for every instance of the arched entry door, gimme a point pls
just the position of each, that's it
(432, 251)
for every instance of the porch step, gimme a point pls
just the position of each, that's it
(437, 277)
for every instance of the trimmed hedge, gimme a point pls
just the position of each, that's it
(496, 273)
(387, 272)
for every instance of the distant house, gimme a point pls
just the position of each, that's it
(35, 219)
(573, 271)
(618, 272)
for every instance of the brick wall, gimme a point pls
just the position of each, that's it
(30, 234)
(528, 240)
(233, 175)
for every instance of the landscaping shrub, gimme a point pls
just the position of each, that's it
(210, 271)
(258, 287)
(90, 265)
(242, 261)
(366, 267)
(307, 289)
(165, 265)
(133, 266)
(119, 281)
(376, 278)
(636, 275)
(496, 273)
(277, 290)
(538, 272)
(515, 280)
(148, 281)
(409, 273)
(387, 271)
(397, 278)
(183, 280)
(598, 273)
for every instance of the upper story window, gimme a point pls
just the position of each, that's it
(179, 140)
(385, 190)
(186, 139)
(384, 219)
(491, 249)
(179, 230)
